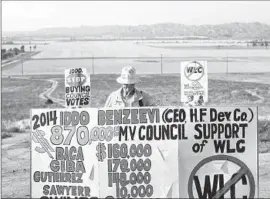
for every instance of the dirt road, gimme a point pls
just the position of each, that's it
(46, 94)
(18, 59)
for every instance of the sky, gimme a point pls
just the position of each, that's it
(34, 15)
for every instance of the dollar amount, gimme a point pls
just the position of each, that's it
(139, 182)
(129, 169)
(122, 151)
(134, 178)
(125, 166)
(135, 191)
(83, 136)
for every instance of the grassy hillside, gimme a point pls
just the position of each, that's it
(220, 31)
(19, 96)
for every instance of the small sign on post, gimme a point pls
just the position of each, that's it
(194, 83)
(77, 88)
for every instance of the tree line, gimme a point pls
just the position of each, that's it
(11, 52)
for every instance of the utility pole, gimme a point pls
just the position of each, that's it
(93, 68)
(22, 63)
(227, 65)
(161, 66)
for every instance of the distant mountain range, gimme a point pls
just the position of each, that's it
(254, 30)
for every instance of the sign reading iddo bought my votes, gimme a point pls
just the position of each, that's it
(146, 152)
(77, 87)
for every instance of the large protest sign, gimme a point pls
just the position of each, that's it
(167, 152)
(194, 83)
(77, 88)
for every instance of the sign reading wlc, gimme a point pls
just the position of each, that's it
(194, 83)
(194, 71)
(205, 189)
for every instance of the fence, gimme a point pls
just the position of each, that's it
(144, 65)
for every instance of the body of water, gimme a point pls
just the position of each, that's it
(166, 59)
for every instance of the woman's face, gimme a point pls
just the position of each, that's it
(128, 88)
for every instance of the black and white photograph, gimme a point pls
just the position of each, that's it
(135, 99)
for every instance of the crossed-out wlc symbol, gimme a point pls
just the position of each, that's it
(204, 188)
(194, 71)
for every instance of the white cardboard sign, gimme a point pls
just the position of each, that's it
(77, 88)
(146, 152)
(194, 83)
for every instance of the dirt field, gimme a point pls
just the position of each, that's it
(20, 95)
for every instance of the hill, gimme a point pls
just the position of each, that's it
(254, 30)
